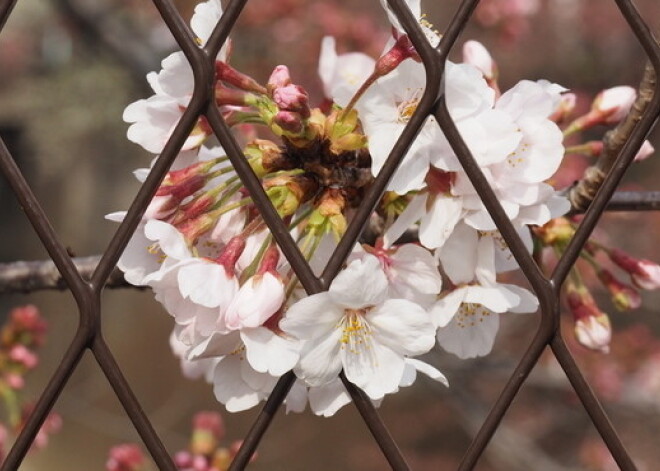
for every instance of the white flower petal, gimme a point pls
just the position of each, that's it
(268, 352)
(326, 400)
(320, 362)
(403, 326)
(361, 284)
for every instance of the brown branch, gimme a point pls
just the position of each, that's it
(583, 192)
(25, 277)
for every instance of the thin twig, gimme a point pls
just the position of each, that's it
(583, 192)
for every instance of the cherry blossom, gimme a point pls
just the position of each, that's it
(354, 327)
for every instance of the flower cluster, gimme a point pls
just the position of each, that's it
(20, 338)
(241, 317)
(204, 452)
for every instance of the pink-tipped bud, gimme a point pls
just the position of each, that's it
(20, 354)
(279, 78)
(613, 104)
(125, 457)
(592, 326)
(644, 151)
(595, 333)
(403, 49)
(476, 54)
(292, 98)
(290, 122)
(645, 274)
(624, 297)
(565, 107)
(226, 73)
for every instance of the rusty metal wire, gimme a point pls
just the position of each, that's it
(87, 289)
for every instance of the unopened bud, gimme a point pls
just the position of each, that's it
(592, 326)
(624, 297)
(292, 98)
(279, 78)
(645, 274)
(613, 104)
(403, 49)
(475, 54)
(594, 332)
(289, 121)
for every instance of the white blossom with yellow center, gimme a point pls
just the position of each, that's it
(354, 326)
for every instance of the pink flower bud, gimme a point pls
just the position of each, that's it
(645, 274)
(644, 151)
(613, 104)
(279, 78)
(624, 297)
(403, 49)
(292, 98)
(20, 354)
(289, 121)
(125, 457)
(475, 54)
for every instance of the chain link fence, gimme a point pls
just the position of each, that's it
(86, 281)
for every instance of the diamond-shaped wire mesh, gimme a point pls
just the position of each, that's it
(87, 293)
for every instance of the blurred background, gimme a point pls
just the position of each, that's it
(68, 68)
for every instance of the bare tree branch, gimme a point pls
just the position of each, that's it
(25, 277)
